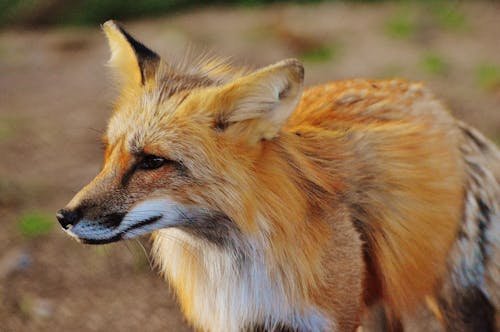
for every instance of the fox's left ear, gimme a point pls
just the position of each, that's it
(134, 62)
(258, 105)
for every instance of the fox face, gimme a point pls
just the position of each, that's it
(170, 140)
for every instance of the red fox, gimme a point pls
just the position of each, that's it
(274, 208)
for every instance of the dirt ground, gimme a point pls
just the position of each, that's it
(56, 94)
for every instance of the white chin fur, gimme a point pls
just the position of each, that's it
(165, 209)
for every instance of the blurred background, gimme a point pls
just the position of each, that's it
(56, 95)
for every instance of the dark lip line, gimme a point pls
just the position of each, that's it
(119, 236)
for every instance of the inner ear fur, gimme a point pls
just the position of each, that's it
(259, 104)
(134, 62)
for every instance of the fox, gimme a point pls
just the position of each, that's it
(351, 205)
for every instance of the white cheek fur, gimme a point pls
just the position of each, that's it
(168, 210)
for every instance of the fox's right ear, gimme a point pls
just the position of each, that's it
(258, 105)
(134, 62)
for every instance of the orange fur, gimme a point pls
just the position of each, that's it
(328, 200)
(404, 129)
(411, 201)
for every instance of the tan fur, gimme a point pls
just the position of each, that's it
(351, 197)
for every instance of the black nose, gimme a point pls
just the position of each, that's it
(68, 217)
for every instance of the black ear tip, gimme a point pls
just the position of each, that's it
(139, 48)
(297, 68)
(147, 60)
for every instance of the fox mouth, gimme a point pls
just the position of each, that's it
(89, 234)
(143, 218)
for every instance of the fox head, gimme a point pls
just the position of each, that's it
(182, 145)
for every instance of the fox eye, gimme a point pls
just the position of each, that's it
(149, 162)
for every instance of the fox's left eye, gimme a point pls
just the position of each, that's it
(149, 162)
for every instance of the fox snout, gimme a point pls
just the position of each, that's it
(91, 224)
(113, 217)
(68, 218)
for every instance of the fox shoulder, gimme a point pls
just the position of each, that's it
(404, 176)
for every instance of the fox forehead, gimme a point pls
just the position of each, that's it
(141, 120)
(149, 122)
(170, 100)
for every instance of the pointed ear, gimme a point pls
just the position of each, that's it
(134, 62)
(260, 104)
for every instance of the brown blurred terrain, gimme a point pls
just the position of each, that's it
(56, 94)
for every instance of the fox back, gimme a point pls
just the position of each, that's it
(276, 208)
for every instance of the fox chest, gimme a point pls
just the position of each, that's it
(223, 290)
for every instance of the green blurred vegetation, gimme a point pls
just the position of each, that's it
(414, 18)
(434, 64)
(448, 16)
(86, 12)
(322, 53)
(25, 304)
(35, 223)
(8, 125)
(496, 140)
(401, 25)
(488, 76)
(5, 131)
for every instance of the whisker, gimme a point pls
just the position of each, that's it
(99, 131)
(126, 244)
(150, 263)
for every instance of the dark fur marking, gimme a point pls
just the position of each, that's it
(469, 311)
(85, 205)
(147, 59)
(372, 281)
(220, 126)
(262, 328)
(139, 156)
(214, 227)
(88, 209)
(128, 174)
(462, 235)
(115, 238)
(179, 166)
(146, 222)
(220, 123)
(284, 93)
(484, 209)
(112, 220)
(479, 143)
(174, 83)
(394, 324)
(483, 223)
